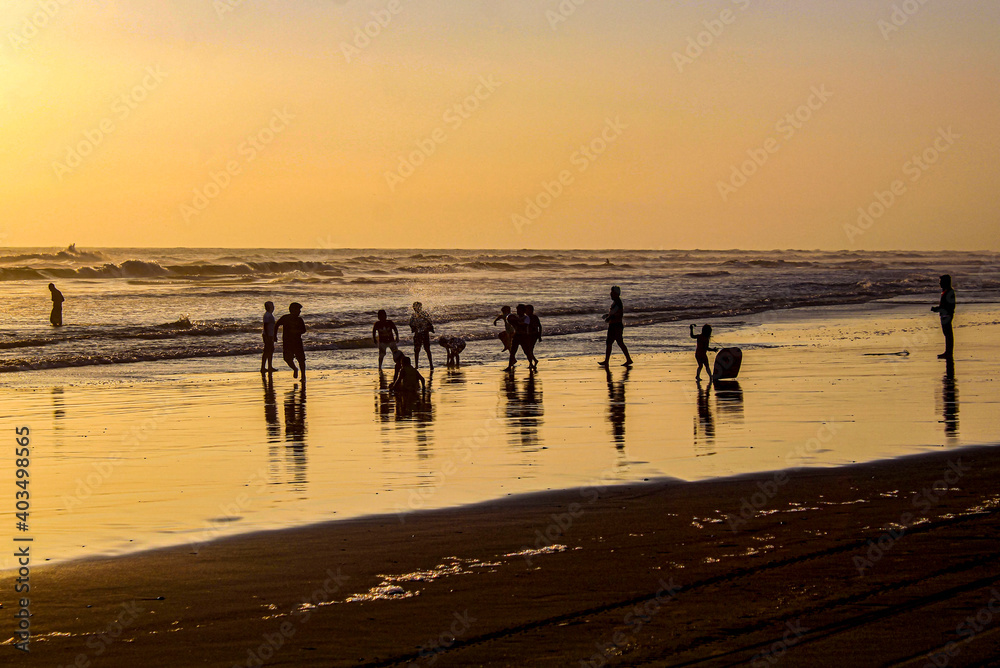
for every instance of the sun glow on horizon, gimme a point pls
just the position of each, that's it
(491, 124)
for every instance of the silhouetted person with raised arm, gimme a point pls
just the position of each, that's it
(616, 327)
(57, 301)
(292, 328)
(701, 349)
(385, 334)
(946, 309)
(270, 334)
(421, 326)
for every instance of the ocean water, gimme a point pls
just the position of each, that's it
(127, 305)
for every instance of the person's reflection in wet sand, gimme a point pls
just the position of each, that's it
(418, 409)
(271, 410)
(383, 400)
(58, 414)
(616, 407)
(704, 425)
(454, 376)
(949, 396)
(295, 433)
(524, 408)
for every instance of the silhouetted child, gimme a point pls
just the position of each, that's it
(270, 334)
(291, 339)
(385, 334)
(507, 335)
(397, 360)
(420, 325)
(701, 350)
(615, 318)
(534, 332)
(453, 345)
(57, 301)
(946, 309)
(409, 381)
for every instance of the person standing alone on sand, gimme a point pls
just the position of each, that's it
(946, 309)
(420, 325)
(385, 334)
(270, 334)
(292, 348)
(57, 301)
(701, 350)
(616, 327)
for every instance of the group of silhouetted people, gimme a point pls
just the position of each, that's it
(292, 349)
(522, 330)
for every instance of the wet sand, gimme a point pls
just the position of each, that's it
(147, 461)
(446, 559)
(712, 573)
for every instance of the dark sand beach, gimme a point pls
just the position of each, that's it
(647, 574)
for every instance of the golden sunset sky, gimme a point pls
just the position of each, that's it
(501, 123)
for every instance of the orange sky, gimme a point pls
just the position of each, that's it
(500, 123)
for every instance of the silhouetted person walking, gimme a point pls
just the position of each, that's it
(57, 301)
(534, 334)
(946, 309)
(616, 327)
(420, 325)
(292, 348)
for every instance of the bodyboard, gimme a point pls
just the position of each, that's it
(727, 363)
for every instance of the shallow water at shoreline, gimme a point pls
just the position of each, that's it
(174, 457)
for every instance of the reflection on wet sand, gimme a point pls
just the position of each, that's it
(616, 407)
(58, 414)
(949, 397)
(454, 376)
(523, 408)
(729, 400)
(383, 400)
(295, 434)
(704, 423)
(406, 409)
(271, 410)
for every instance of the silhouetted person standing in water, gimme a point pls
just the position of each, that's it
(291, 339)
(57, 302)
(946, 309)
(420, 325)
(616, 327)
